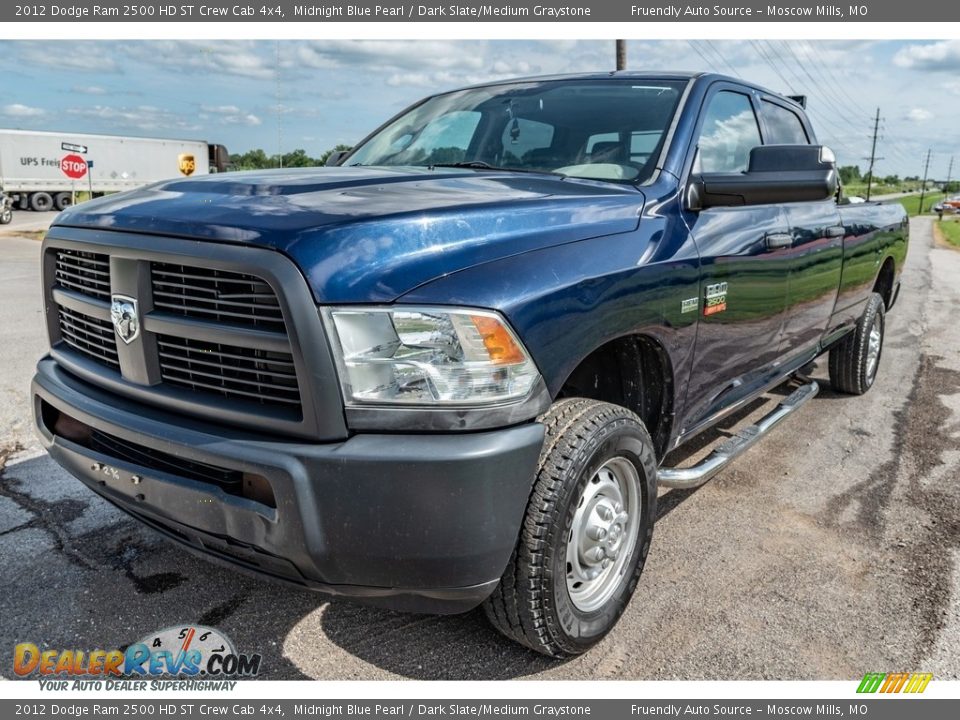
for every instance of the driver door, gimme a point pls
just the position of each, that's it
(744, 266)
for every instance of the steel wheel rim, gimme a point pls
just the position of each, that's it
(874, 343)
(603, 535)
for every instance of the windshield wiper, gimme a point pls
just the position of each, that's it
(481, 165)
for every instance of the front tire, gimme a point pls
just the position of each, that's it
(854, 361)
(586, 531)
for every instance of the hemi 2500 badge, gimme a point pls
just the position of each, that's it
(716, 299)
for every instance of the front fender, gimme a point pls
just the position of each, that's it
(566, 301)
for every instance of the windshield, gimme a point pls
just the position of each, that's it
(599, 129)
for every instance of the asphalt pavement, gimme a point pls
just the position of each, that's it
(830, 549)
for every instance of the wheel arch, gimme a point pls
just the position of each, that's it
(884, 283)
(633, 371)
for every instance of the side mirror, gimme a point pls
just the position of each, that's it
(775, 174)
(335, 157)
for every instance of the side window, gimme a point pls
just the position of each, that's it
(783, 126)
(729, 133)
(521, 137)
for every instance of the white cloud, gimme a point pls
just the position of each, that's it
(147, 118)
(231, 115)
(18, 110)
(384, 54)
(88, 90)
(943, 55)
(82, 55)
(244, 58)
(919, 115)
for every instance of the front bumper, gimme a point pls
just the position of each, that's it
(424, 523)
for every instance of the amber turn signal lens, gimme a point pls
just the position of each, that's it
(496, 339)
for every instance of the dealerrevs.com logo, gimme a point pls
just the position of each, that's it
(180, 657)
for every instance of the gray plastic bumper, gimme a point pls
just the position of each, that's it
(414, 522)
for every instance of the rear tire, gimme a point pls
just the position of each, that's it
(854, 361)
(586, 531)
(62, 201)
(41, 202)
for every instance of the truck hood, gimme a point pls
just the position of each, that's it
(372, 234)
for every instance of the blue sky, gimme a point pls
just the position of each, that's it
(315, 94)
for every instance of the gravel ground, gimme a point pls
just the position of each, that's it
(828, 550)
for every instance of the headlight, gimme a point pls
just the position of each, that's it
(428, 357)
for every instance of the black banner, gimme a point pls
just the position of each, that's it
(640, 11)
(227, 708)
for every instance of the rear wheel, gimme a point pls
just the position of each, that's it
(62, 200)
(854, 361)
(586, 532)
(41, 201)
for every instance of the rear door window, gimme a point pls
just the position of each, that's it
(783, 126)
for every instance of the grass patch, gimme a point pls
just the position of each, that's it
(878, 189)
(950, 229)
(912, 203)
(37, 235)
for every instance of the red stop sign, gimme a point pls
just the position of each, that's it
(73, 166)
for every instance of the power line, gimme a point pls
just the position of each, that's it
(723, 58)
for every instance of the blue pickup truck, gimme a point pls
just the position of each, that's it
(447, 371)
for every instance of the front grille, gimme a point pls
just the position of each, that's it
(214, 339)
(142, 456)
(89, 336)
(84, 272)
(218, 295)
(240, 373)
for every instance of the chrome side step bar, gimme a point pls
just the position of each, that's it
(733, 447)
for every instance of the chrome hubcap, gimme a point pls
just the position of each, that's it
(604, 534)
(874, 343)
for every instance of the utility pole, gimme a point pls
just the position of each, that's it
(923, 188)
(279, 108)
(873, 153)
(946, 187)
(621, 54)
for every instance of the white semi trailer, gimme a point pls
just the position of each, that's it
(43, 170)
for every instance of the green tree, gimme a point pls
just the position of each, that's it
(849, 174)
(259, 160)
(299, 158)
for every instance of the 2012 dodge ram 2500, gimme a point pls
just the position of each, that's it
(446, 372)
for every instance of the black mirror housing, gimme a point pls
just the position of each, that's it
(775, 174)
(334, 158)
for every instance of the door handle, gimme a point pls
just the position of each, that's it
(778, 240)
(835, 231)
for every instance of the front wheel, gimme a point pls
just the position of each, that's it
(586, 532)
(6, 215)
